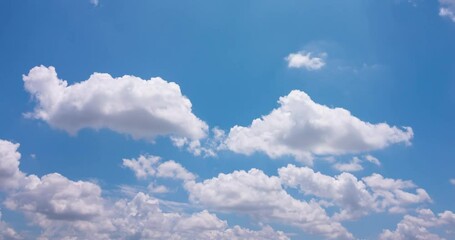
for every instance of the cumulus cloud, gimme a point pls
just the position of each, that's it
(417, 227)
(302, 128)
(66, 209)
(141, 108)
(305, 60)
(355, 197)
(262, 197)
(51, 196)
(447, 9)
(145, 166)
(10, 175)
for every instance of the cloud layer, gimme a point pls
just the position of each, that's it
(130, 105)
(302, 128)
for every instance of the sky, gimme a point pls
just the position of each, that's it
(252, 119)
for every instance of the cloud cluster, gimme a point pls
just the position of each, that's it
(305, 60)
(355, 197)
(141, 108)
(67, 209)
(417, 227)
(262, 197)
(302, 128)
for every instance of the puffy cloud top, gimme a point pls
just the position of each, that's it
(301, 128)
(130, 105)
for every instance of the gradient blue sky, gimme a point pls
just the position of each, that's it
(386, 61)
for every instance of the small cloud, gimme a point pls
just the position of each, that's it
(447, 9)
(95, 2)
(373, 160)
(33, 156)
(352, 166)
(305, 60)
(154, 188)
(452, 181)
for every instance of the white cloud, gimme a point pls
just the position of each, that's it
(51, 196)
(263, 197)
(66, 209)
(417, 227)
(55, 197)
(447, 9)
(208, 147)
(392, 195)
(141, 108)
(355, 197)
(452, 181)
(302, 128)
(10, 176)
(145, 220)
(305, 60)
(352, 166)
(145, 166)
(373, 160)
(171, 169)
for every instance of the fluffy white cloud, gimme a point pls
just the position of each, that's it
(305, 60)
(130, 105)
(352, 166)
(145, 166)
(301, 128)
(51, 196)
(263, 197)
(447, 9)
(355, 197)
(55, 197)
(416, 227)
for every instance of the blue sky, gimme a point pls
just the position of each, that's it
(332, 85)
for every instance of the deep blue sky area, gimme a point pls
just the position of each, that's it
(386, 61)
